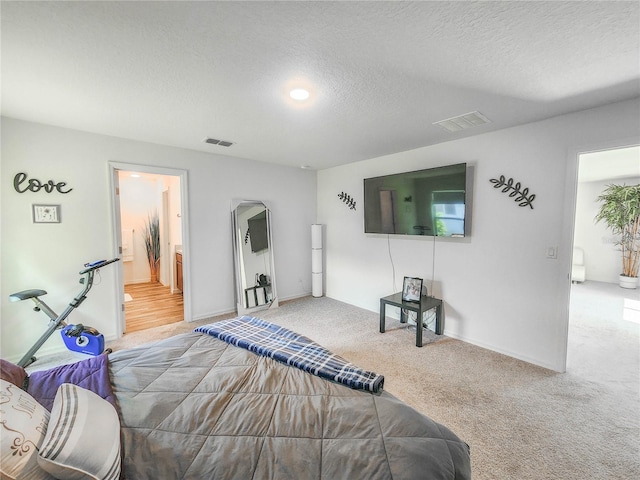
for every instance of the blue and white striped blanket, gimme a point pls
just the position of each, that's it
(270, 340)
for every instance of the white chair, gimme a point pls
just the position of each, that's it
(578, 271)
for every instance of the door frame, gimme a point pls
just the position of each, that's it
(114, 168)
(568, 228)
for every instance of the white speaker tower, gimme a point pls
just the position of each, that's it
(316, 260)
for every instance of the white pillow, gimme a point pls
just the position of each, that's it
(23, 423)
(83, 438)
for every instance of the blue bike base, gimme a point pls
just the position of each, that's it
(86, 342)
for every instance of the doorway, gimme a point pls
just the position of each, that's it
(150, 199)
(598, 307)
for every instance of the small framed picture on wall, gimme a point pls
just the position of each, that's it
(46, 213)
(411, 289)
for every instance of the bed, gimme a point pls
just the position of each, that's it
(197, 406)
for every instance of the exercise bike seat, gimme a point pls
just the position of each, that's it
(26, 294)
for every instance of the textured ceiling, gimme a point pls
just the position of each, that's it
(379, 73)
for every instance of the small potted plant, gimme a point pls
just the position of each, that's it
(152, 244)
(620, 211)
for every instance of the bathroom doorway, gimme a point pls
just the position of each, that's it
(150, 199)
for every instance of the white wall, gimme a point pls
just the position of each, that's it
(138, 198)
(500, 290)
(50, 256)
(602, 259)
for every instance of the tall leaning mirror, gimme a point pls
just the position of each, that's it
(253, 256)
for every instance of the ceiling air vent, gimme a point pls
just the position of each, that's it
(462, 122)
(214, 141)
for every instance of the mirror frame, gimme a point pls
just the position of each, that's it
(239, 290)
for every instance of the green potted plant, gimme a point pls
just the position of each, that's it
(620, 211)
(152, 244)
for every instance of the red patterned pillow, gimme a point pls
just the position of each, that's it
(10, 372)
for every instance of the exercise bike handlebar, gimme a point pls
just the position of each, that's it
(87, 279)
(97, 264)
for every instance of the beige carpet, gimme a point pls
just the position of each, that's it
(521, 421)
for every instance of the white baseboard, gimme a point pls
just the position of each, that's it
(226, 311)
(138, 280)
(45, 350)
(508, 353)
(295, 297)
(231, 310)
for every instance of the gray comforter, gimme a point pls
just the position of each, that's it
(194, 407)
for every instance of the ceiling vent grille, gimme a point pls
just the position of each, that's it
(214, 141)
(462, 122)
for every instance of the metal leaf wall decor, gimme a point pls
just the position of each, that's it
(523, 197)
(346, 198)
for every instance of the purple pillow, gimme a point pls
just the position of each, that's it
(13, 373)
(92, 374)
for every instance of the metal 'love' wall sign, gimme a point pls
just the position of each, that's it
(22, 183)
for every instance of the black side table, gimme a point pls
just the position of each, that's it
(255, 295)
(425, 304)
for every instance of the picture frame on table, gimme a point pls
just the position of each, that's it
(411, 289)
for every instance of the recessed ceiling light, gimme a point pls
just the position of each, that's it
(299, 94)
(135, 175)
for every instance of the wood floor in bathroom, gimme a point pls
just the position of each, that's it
(151, 305)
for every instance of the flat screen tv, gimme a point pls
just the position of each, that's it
(424, 202)
(258, 232)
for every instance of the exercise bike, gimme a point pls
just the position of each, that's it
(76, 338)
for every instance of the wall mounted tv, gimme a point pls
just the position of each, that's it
(425, 202)
(258, 232)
